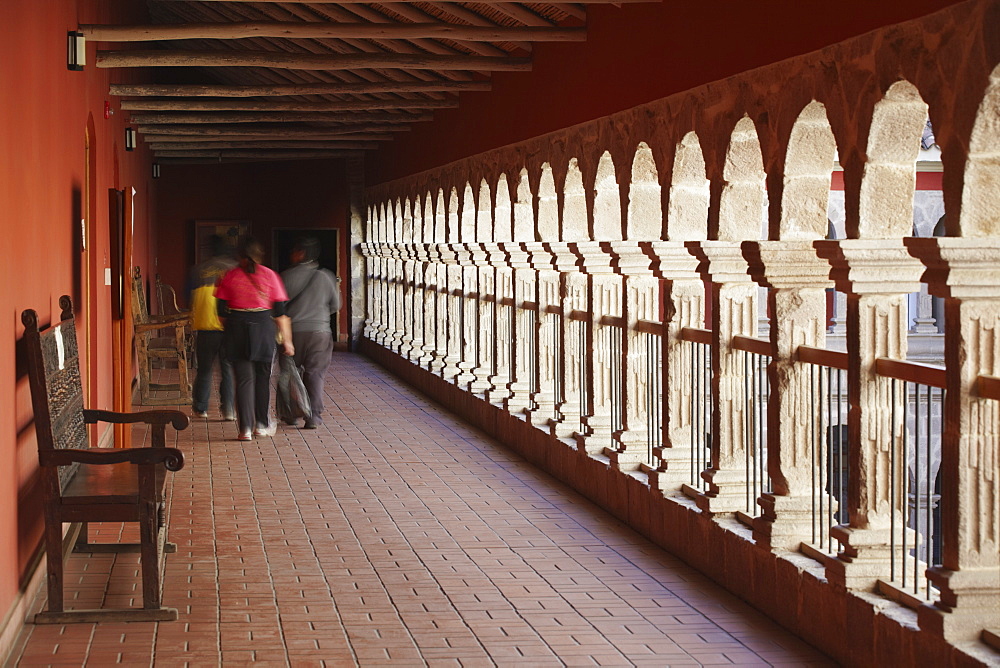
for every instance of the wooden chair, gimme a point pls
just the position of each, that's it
(166, 299)
(151, 344)
(81, 484)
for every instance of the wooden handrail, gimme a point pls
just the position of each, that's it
(989, 387)
(529, 306)
(612, 321)
(507, 301)
(911, 372)
(823, 357)
(554, 309)
(753, 345)
(580, 316)
(697, 335)
(649, 327)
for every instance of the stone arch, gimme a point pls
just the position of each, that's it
(548, 206)
(690, 193)
(890, 175)
(396, 224)
(407, 228)
(440, 219)
(607, 201)
(574, 213)
(743, 202)
(524, 221)
(503, 212)
(467, 221)
(380, 223)
(980, 204)
(428, 219)
(484, 213)
(645, 210)
(453, 232)
(809, 162)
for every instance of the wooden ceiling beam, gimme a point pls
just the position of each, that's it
(351, 119)
(534, 32)
(386, 2)
(242, 130)
(278, 154)
(309, 61)
(212, 90)
(251, 143)
(268, 105)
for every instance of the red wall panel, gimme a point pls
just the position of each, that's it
(44, 114)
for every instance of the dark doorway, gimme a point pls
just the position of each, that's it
(329, 241)
(284, 239)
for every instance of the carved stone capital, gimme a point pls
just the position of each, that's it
(787, 264)
(722, 261)
(630, 258)
(446, 254)
(959, 267)
(673, 261)
(562, 257)
(594, 257)
(517, 256)
(871, 266)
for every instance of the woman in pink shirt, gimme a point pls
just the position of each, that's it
(252, 300)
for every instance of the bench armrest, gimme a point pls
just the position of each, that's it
(156, 326)
(171, 319)
(171, 458)
(179, 420)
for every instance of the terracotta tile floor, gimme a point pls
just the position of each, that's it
(398, 535)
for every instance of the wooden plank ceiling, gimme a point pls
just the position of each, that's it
(296, 79)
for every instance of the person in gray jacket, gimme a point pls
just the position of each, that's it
(313, 296)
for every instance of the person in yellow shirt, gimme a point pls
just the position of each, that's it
(208, 332)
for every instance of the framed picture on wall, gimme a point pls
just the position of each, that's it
(233, 231)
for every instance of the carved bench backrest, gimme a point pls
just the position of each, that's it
(56, 390)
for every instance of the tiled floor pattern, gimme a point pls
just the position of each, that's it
(397, 535)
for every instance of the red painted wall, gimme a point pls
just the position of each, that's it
(305, 194)
(633, 54)
(45, 110)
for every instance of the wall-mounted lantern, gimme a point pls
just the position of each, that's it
(76, 52)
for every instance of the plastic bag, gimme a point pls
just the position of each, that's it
(291, 399)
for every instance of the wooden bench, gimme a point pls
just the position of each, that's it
(82, 484)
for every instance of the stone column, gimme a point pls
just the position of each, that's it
(877, 276)
(734, 313)
(427, 350)
(439, 252)
(524, 289)
(683, 306)
(573, 302)
(633, 261)
(543, 412)
(502, 323)
(966, 273)
(605, 299)
(798, 280)
(483, 323)
(453, 295)
(415, 303)
(469, 311)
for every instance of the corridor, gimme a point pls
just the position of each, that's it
(398, 535)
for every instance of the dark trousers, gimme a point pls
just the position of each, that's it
(313, 352)
(208, 348)
(253, 393)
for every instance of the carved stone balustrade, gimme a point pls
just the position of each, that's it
(877, 276)
(966, 273)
